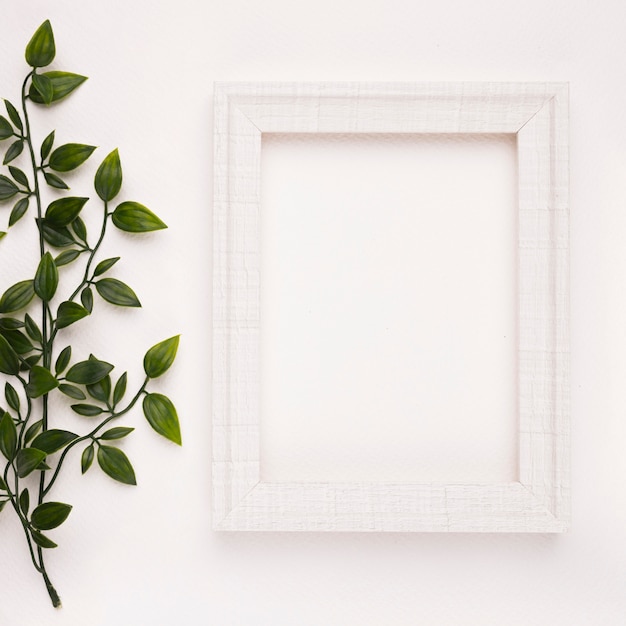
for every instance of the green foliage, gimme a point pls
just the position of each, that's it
(41, 381)
(70, 156)
(27, 460)
(52, 440)
(17, 296)
(162, 416)
(9, 361)
(46, 278)
(136, 218)
(160, 357)
(70, 312)
(88, 372)
(50, 515)
(6, 130)
(87, 458)
(108, 180)
(35, 312)
(8, 437)
(7, 188)
(40, 50)
(63, 83)
(20, 208)
(15, 149)
(117, 292)
(64, 211)
(43, 85)
(115, 464)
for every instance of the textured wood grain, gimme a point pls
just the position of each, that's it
(538, 114)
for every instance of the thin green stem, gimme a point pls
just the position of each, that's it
(103, 230)
(90, 435)
(15, 504)
(45, 345)
(33, 161)
(29, 408)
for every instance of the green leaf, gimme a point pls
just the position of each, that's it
(100, 390)
(54, 181)
(3, 503)
(6, 130)
(117, 292)
(29, 362)
(2, 234)
(116, 433)
(63, 83)
(88, 372)
(66, 257)
(44, 86)
(32, 430)
(70, 312)
(19, 176)
(162, 416)
(46, 146)
(20, 208)
(64, 210)
(7, 188)
(63, 360)
(160, 357)
(70, 156)
(120, 388)
(8, 436)
(72, 392)
(86, 458)
(115, 464)
(108, 181)
(53, 440)
(136, 218)
(40, 50)
(13, 400)
(40, 382)
(80, 229)
(32, 329)
(18, 341)
(14, 116)
(105, 265)
(24, 501)
(17, 296)
(15, 149)
(56, 236)
(27, 460)
(46, 278)
(9, 361)
(3, 485)
(88, 410)
(10, 323)
(86, 297)
(50, 515)
(41, 540)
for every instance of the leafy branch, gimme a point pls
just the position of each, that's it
(34, 445)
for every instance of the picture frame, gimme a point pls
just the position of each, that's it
(537, 114)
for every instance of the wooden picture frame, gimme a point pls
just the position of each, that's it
(537, 113)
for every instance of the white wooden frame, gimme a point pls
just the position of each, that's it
(537, 113)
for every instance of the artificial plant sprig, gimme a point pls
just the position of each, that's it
(33, 442)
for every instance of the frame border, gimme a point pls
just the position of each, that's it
(537, 113)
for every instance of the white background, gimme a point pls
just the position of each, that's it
(388, 308)
(146, 556)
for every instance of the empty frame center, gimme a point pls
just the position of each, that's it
(388, 308)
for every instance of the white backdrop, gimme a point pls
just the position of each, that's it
(146, 556)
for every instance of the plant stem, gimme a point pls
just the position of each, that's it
(46, 347)
(113, 415)
(86, 278)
